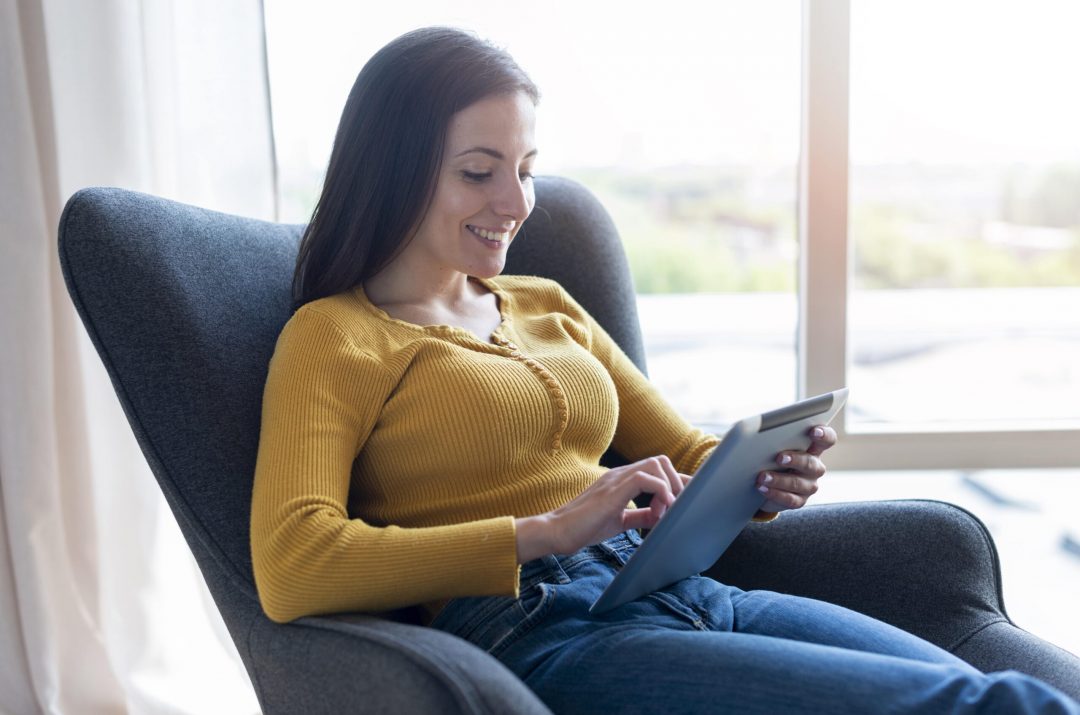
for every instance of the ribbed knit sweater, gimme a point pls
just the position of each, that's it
(394, 457)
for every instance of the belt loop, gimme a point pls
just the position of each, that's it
(545, 568)
(619, 541)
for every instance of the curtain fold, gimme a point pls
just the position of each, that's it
(102, 609)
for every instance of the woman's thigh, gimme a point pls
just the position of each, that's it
(807, 620)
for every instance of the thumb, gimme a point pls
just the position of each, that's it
(639, 519)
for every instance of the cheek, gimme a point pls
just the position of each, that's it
(462, 203)
(452, 201)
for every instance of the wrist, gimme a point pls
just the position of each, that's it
(533, 535)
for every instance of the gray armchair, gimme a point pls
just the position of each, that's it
(184, 306)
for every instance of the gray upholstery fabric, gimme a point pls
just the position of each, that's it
(184, 306)
(1002, 646)
(372, 665)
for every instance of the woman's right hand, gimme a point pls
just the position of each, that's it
(601, 510)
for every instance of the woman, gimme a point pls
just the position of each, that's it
(432, 434)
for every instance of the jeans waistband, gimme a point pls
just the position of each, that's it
(551, 568)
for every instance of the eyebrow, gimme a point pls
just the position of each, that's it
(493, 153)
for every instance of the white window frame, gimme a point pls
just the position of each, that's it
(824, 278)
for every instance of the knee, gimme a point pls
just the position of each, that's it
(1010, 691)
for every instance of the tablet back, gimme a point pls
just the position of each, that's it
(719, 501)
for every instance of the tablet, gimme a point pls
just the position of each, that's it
(719, 501)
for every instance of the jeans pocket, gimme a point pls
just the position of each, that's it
(534, 604)
(679, 608)
(494, 622)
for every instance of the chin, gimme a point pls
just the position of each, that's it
(488, 266)
(488, 270)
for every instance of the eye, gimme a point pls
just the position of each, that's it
(525, 175)
(475, 177)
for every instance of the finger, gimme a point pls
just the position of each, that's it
(803, 462)
(659, 508)
(772, 484)
(661, 466)
(669, 472)
(788, 482)
(641, 481)
(822, 437)
(638, 519)
(778, 500)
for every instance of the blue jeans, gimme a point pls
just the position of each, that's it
(699, 646)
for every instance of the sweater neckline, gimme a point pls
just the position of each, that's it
(502, 302)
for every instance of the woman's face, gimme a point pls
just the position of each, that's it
(484, 190)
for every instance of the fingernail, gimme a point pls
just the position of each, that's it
(785, 459)
(767, 479)
(763, 489)
(818, 432)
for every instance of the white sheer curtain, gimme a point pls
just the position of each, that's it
(102, 609)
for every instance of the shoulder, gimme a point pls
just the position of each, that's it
(534, 292)
(532, 296)
(338, 325)
(335, 317)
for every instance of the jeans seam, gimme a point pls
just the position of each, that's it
(690, 613)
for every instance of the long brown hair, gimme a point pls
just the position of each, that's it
(388, 150)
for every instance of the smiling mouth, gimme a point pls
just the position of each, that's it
(496, 237)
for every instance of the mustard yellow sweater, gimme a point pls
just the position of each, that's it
(393, 458)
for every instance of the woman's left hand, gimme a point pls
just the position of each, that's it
(796, 475)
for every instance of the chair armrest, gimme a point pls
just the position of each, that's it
(1003, 646)
(359, 663)
(928, 567)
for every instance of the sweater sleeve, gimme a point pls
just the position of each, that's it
(648, 425)
(322, 399)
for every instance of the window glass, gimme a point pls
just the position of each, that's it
(964, 213)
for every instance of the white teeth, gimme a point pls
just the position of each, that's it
(491, 235)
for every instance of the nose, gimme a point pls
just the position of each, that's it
(514, 199)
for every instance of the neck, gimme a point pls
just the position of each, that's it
(399, 284)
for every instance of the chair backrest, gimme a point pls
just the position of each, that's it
(184, 306)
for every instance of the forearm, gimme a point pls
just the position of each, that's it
(319, 562)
